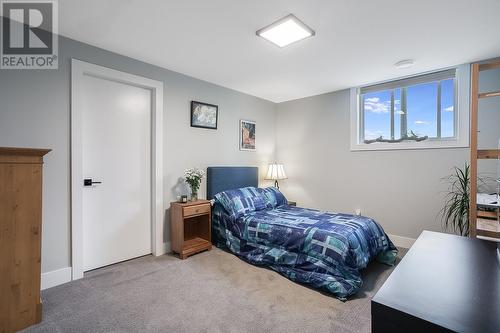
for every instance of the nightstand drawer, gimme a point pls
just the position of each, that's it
(196, 210)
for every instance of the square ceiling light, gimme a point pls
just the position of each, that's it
(286, 31)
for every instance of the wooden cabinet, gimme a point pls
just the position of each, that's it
(20, 237)
(190, 226)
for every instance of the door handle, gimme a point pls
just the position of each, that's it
(89, 182)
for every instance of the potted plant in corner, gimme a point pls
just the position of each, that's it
(455, 213)
(193, 177)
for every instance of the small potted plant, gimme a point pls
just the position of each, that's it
(193, 177)
(455, 213)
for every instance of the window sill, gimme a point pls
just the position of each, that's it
(437, 144)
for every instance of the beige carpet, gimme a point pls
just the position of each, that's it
(210, 292)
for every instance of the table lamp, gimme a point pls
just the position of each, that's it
(276, 172)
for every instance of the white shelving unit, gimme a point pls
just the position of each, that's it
(484, 207)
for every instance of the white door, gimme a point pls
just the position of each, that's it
(116, 147)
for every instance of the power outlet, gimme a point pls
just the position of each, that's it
(358, 211)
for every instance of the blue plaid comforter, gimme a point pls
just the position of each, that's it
(320, 249)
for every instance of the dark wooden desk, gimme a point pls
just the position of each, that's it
(445, 283)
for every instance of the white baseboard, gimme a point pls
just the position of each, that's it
(165, 248)
(63, 275)
(168, 247)
(55, 278)
(401, 241)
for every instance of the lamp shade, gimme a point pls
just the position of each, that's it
(276, 172)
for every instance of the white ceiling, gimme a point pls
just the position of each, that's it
(356, 42)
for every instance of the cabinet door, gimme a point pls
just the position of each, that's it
(20, 237)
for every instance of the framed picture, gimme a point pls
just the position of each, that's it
(247, 135)
(204, 115)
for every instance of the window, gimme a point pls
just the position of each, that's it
(416, 112)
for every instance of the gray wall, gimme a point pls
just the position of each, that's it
(35, 112)
(403, 190)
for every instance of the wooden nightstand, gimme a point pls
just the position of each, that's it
(190, 226)
(292, 203)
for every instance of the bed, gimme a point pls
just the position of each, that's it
(321, 249)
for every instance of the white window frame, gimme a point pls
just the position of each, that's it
(461, 139)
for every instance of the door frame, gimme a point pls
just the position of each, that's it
(80, 69)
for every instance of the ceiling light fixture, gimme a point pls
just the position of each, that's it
(286, 31)
(404, 63)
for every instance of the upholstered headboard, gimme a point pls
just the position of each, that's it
(229, 178)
